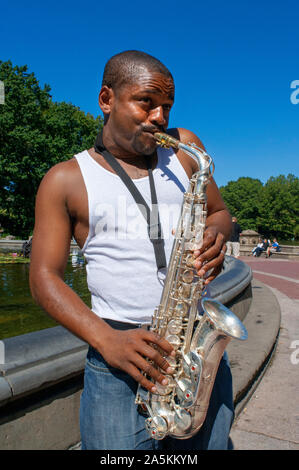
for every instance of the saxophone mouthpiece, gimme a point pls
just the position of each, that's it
(165, 140)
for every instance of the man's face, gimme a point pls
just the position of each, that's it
(140, 109)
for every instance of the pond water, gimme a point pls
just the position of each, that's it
(19, 313)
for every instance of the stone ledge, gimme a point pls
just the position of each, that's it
(279, 255)
(250, 358)
(39, 359)
(287, 251)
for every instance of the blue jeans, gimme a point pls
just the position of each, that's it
(109, 419)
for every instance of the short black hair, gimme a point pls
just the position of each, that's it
(124, 68)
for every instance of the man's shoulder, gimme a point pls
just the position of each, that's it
(185, 135)
(62, 175)
(67, 167)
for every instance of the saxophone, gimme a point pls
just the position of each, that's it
(179, 408)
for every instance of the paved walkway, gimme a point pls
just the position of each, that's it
(270, 420)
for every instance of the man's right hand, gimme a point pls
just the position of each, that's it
(127, 350)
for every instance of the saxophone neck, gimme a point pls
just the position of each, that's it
(202, 158)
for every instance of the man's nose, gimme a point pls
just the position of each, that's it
(157, 116)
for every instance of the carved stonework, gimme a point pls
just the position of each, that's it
(249, 237)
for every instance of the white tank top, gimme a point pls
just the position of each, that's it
(121, 267)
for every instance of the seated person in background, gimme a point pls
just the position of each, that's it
(258, 249)
(262, 246)
(274, 248)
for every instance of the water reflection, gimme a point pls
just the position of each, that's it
(18, 312)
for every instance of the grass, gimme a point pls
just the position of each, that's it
(13, 258)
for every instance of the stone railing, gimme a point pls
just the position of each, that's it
(287, 251)
(8, 246)
(41, 374)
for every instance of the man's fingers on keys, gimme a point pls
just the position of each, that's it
(153, 354)
(145, 371)
(161, 342)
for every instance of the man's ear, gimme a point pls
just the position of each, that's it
(106, 99)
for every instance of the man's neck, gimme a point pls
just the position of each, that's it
(114, 148)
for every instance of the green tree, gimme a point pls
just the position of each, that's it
(35, 134)
(272, 209)
(279, 208)
(242, 198)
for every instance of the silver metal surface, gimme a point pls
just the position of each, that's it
(179, 409)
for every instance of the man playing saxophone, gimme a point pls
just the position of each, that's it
(85, 198)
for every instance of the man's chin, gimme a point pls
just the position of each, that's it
(147, 145)
(149, 149)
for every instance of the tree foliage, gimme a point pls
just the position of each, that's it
(271, 209)
(280, 207)
(242, 198)
(35, 134)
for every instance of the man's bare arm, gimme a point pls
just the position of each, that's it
(49, 256)
(50, 249)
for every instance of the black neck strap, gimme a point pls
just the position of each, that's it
(151, 216)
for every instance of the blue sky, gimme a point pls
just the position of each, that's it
(233, 64)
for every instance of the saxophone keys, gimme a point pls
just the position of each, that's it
(192, 365)
(181, 308)
(157, 427)
(164, 390)
(185, 393)
(188, 276)
(172, 362)
(174, 327)
(174, 340)
(190, 260)
(185, 290)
